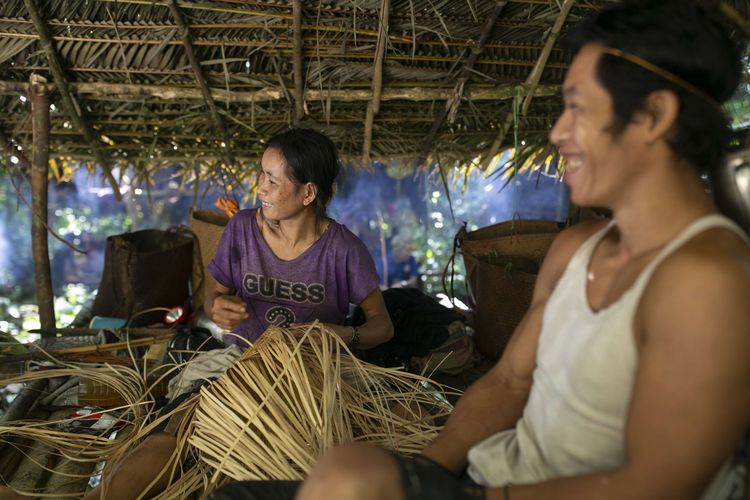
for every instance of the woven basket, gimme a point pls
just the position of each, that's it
(504, 288)
(528, 239)
(501, 266)
(208, 227)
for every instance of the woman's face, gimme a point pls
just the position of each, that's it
(280, 197)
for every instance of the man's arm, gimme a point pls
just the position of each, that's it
(495, 402)
(691, 399)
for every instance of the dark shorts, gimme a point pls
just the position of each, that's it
(421, 479)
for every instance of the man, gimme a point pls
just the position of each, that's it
(629, 377)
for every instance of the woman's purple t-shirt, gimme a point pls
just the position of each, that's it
(319, 284)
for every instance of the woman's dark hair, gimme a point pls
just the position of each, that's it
(310, 157)
(682, 37)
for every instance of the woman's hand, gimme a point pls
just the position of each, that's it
(228, 311)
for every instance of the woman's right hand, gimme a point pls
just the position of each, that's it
(228, 311)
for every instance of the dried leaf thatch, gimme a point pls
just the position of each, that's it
(127, 65)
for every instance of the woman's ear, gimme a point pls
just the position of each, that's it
(310, 191)
(661, 110)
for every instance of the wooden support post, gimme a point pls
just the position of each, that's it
(39, 172)
(297, 62)
(71, 107)
(373, 107)
(532, 81)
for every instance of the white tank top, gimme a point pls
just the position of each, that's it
(574, 421)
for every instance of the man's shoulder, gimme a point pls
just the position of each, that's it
(716, 253)
(576, 234)
(705, 281)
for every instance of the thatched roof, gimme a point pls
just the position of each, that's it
(135, 70)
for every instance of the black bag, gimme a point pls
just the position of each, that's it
(420, 324)
(142, 270)
(188, 342)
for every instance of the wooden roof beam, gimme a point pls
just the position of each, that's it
(172, 93)
(200, 79)
(69, 104)
(373, 107)
(451, 106)
(297, 62)
(532, 81)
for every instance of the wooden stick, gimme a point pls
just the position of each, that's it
(454, 103)
(297, 63)
(536, 74)
(373, 106)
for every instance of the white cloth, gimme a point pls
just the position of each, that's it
(574, 421)
(205, 366)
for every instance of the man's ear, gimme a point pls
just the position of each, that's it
(310, 191)
(660, 113)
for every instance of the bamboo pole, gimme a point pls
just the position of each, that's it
(531, 84)
(267, 94)
(373, 106)
(201, 80)
(83, 350)
(138, 332)
(297, 62)
(39, 171)
(536, 73)
(71, 107)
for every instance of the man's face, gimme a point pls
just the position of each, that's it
(598, 165)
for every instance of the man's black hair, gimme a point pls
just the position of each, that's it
(683, 37)
(311, 157)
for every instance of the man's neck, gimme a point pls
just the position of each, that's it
(654, 210)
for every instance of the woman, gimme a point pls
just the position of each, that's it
(287, 262)
(283, 263)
